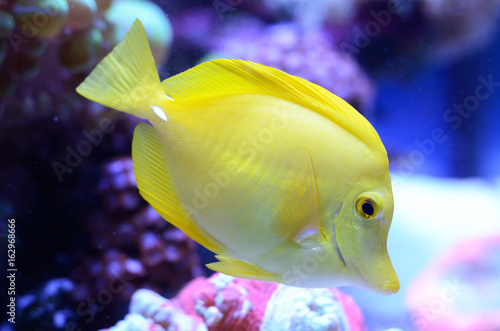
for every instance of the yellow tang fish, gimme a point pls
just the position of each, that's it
(283, 180)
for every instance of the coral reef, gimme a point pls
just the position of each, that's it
(47, 308)
(459, 290)
(128, 240)
(59, 143)
(59, 42)
(223, 302)
(191, 28)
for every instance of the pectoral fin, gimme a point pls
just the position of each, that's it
(297, 216)
(237, 268)
(155, 185)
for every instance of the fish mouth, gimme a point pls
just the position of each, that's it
(386, 287)
(389, 287)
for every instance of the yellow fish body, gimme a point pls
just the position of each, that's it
(283, 180)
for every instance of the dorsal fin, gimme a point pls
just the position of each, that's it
(228, 77)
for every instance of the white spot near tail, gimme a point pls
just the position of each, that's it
(159, 112)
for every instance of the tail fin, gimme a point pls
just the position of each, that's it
(126, 79)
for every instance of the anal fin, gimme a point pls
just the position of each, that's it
(238, 268)
(155, 185)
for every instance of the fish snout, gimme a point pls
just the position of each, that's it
(389, 286)
(379, 274)
(385, 280)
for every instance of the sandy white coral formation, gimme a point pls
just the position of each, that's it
(150, 311)
(293, 308)
(213, 312)
(223, 302)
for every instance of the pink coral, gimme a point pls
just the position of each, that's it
(223, 302)
(459, 290)
(226, 302)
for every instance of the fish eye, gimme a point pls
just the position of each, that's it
(369, 205)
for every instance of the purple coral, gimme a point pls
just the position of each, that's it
(129, 240)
